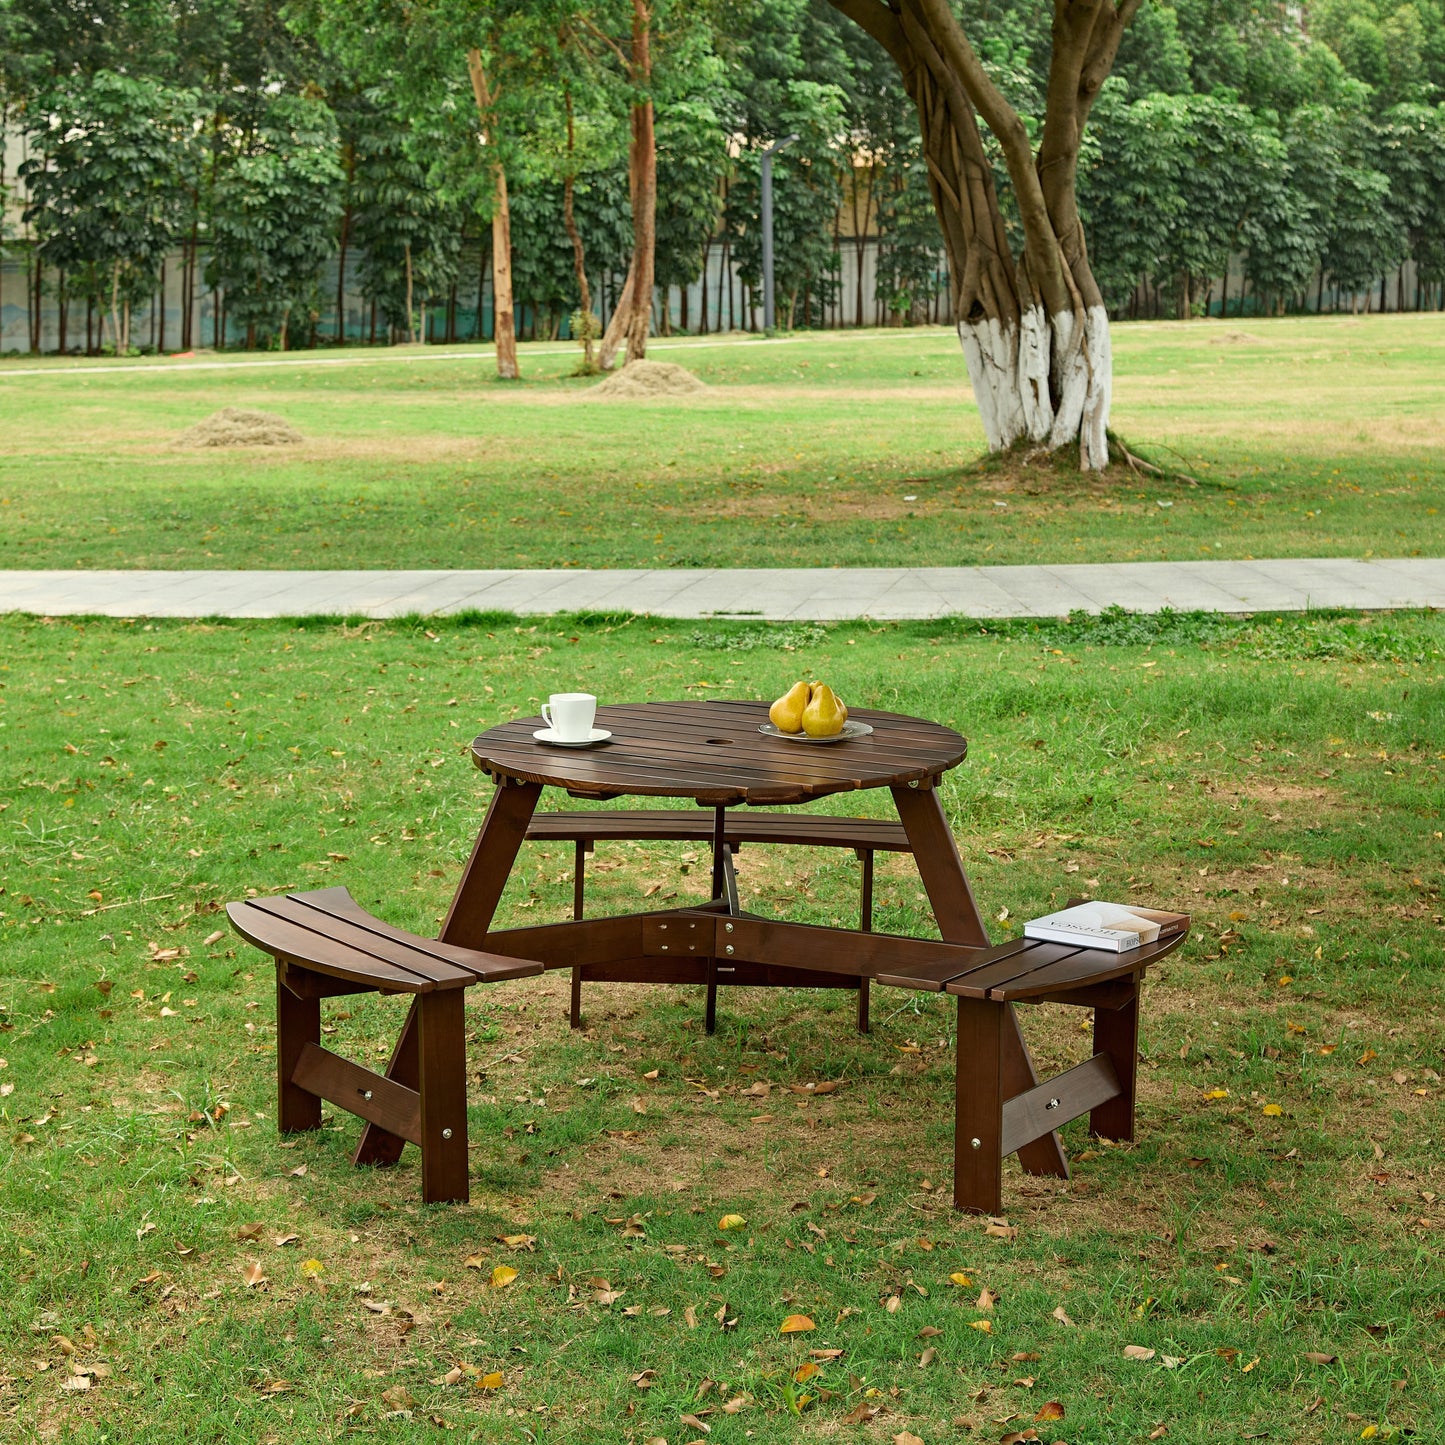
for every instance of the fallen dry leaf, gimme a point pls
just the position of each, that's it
(1138, 1352)
(959, 1278)
(502, 1276)
(983, 1326)
(796, 1324)
(312, 1268)
(1316, 1357)
(986, 1299)
(255, 1275)
(492, 1381)
(904, 1437)
(1051, 1411)
(731, 1221)
(1061, 1316)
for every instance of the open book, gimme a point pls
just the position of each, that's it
(1107, 925)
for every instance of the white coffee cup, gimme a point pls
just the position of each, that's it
(570, 715)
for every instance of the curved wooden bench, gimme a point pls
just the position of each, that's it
(1000, 1107)
(325, 944)
(864, 836)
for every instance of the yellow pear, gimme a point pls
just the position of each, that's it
(824, 715)
(787, 713)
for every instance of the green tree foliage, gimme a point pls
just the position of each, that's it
(408, 235)
(113, 157)
(273, 209)
(1306, 142)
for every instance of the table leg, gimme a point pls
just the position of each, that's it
(578, 875)
(377, 1145)
(959, 921)
(936, 856)
(473, 904)
(1044, 1155)
(485, 876)
(1116, 1033)
(983, 1029)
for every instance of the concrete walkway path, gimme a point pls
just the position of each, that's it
(883, 593)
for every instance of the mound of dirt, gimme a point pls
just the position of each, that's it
(651, 378)
(234, 426)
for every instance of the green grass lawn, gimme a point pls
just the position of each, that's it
(1304, 437)
(1274, 1235)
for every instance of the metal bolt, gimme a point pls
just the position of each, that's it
(727, 928)
(1052, 1104)
(663, 927)
(663, 947)
(977, 1143)
(446, 1133)
(366, 1093)
(728, 949)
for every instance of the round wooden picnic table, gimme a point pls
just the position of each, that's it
(714, 753)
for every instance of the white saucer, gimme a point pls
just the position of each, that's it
(549, 736)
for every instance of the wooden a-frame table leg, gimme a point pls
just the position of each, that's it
(473, 905)
(959, 921)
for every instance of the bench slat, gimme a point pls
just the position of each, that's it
(323, 921)
(280, 936)
(483, 966)
(741, 826)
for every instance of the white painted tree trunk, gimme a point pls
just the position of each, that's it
(1047, 380)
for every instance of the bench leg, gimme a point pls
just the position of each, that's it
(978, 1106)
(1116, 1033)
(863, 1026)
(377, 1145)
(441, 1049)
(298, 1023)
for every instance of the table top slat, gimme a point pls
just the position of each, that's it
(712, 751)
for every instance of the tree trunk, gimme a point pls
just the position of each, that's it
(1034, 331)
(504, 321)
(115, 308)
(410, 314)
(642, 183)
(616, 324)
(579, 255)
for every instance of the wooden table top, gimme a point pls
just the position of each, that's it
(713, 752)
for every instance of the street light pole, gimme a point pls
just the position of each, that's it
(769, 306)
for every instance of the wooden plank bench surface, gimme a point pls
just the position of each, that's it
(326, 944)
(864, 836)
